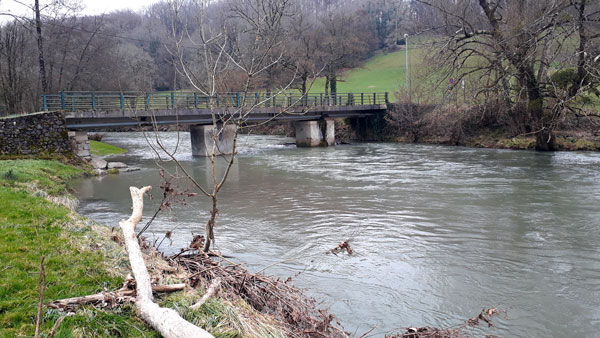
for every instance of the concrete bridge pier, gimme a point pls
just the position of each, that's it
(319, 133)
(203, 139)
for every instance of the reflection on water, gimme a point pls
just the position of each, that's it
(438, 232)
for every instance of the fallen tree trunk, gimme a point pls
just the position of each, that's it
(166, 321)
(124, 294)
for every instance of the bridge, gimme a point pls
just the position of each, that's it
(313, 114)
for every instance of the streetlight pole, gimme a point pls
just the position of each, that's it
(406, 47)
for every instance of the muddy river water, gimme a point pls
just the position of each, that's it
(438, 232)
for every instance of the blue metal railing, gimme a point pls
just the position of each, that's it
(112, 101)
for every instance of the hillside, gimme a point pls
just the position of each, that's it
(380, 73)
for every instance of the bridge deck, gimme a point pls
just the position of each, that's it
(92, 110)
(96, 120)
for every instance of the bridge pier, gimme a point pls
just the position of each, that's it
(319, 133)
(203, 139)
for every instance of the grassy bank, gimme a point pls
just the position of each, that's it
(103, 149)
(76, 260)
(81, 258)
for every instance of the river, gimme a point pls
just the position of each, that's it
(438, 232)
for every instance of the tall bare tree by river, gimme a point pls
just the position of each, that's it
(514, 45)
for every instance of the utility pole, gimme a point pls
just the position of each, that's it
(407, 81)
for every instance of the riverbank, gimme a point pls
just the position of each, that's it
(456, 128)
(37, 219)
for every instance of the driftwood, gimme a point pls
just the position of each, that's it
(111, 298)
(457, 332)
(166, 321)
(278, 298)
(212, 291)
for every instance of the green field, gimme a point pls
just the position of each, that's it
(381, 73)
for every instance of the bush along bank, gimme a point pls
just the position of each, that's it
(482, 126)
(37, 220)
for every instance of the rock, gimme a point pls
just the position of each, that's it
(99, 163)
(117, 165)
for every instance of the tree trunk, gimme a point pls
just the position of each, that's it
(542, 121)
(166, 321)
(578, 81)
(545, 140)
(210, 225)
(304, 78)
(333, 84)
(40, 43)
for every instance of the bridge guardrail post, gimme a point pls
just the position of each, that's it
(122, 98)
(362, 99)
(45, 102)
(147, 101)
(374, 98)
(386, 98)
(195, 100)
(350, 100)
(173, 99)
(237, 100)
(72, 102)
(63, 104)
(321, 95)
(93, 101)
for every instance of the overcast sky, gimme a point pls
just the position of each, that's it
(90, 6)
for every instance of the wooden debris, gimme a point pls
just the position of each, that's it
(265, 294)
(110, 299)
(344, 246)
(457, 332)
(212, 291)
(166, 321)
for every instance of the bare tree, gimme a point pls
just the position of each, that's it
(344, 41)
(13, 59)
(239, 40)
(513, 43)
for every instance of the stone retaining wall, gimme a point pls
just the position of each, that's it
(34, 134)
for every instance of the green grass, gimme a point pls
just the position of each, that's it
(102, 149)
(47, 175)
(381, 73)
(32, 227)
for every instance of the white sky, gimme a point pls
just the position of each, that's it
(89, 6)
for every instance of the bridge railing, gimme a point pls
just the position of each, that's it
(112, 101)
